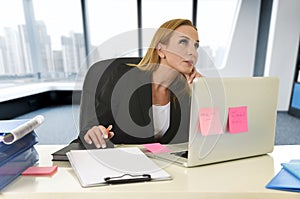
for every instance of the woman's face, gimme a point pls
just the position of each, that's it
(181, 51)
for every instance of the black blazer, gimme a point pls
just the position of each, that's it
(123, 98)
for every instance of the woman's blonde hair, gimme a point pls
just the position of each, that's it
(151, 60)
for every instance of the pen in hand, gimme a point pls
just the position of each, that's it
(98, 135)
(105, 135)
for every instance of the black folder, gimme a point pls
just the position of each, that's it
(60, 155)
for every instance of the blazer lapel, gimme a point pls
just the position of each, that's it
(143, 106)
(145, 95)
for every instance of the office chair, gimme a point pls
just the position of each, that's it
(87, 115)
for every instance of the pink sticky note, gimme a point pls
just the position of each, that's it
(156, 148)
(209, 121)
(40, 171)
(237, 119)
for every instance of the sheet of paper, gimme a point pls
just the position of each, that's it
(209, 121)
(156, 148)
(237, 119)
(93, 166)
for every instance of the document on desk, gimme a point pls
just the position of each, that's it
(97, 167)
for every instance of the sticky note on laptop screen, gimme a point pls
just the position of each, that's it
(237, 119)
(209, 121)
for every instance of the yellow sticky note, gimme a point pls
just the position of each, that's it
(209, 121)
(237, 119)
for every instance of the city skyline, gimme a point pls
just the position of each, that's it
(16, 57)
(50, 49)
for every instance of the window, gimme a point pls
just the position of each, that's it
(14, 52)
(41, 39)
(215, 23)
(44, 39)
(156, 12)
(112, 26)
(59, 36)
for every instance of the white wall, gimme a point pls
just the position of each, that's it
(283, 46)
(241, 56)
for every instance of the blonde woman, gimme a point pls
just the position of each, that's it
(149, 101)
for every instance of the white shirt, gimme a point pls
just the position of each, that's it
(161, 119)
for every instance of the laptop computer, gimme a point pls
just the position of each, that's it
(230, 118)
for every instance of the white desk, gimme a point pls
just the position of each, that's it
(244, 178)
(11, 91)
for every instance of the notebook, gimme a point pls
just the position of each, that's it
(96, 167)
(230, 118)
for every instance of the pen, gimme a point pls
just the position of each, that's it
(105, 136)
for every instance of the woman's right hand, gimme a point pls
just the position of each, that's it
(98, 135)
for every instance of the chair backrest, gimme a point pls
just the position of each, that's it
(88, 117)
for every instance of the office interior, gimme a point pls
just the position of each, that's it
(47, 46)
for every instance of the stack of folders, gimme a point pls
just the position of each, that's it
(17, 152)
(288, 178)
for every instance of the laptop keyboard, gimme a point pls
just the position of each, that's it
(183, 154)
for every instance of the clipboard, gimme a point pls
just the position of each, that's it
(98, 167)
(128, 178)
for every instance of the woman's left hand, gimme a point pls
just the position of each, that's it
(190, 77)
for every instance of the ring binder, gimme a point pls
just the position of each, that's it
(124, 179)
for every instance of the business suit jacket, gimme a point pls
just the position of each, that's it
(124, 99)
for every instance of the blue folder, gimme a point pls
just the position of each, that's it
(293, 168)
(285, 179)
(9, 151)
(15, 166)
(296, 96)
